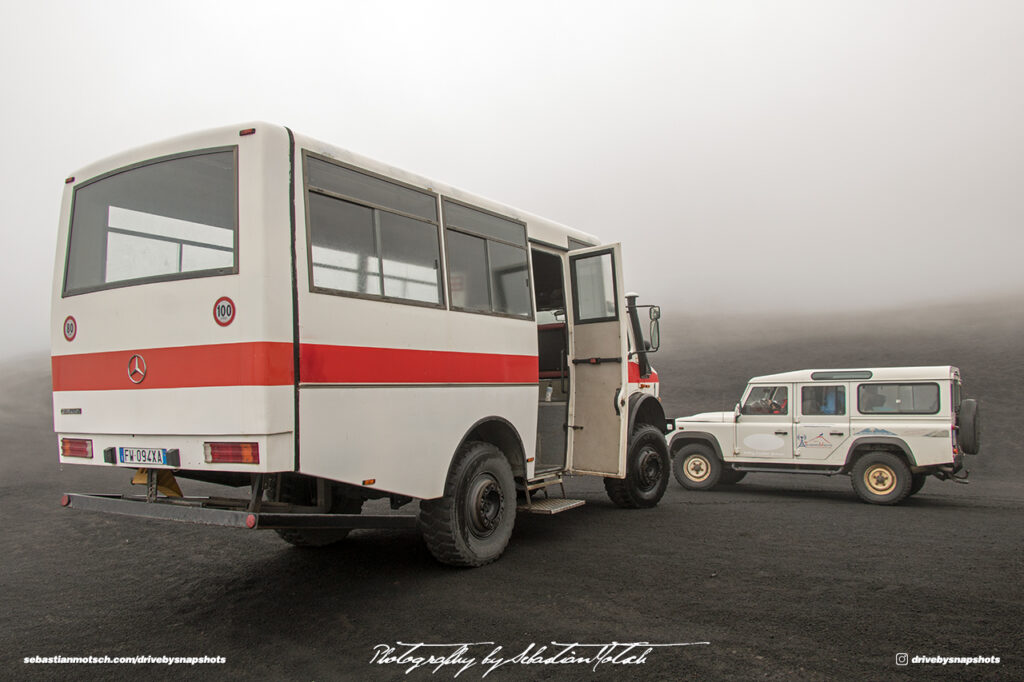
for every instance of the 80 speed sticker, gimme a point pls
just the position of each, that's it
(70, 328)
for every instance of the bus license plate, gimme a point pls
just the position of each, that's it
(142, 455)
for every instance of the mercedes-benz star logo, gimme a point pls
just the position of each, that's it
(136, 369)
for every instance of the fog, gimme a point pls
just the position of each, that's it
(750, 156)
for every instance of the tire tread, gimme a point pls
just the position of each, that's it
(436, 519)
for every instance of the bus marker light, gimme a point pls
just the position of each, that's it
(68, 181)
(232, 453)
(65, 500)
(76, 447)
(250, 521)
(247, 131)
(370, 481)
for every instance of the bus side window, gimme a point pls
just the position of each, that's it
(487, 264)
(371, 237)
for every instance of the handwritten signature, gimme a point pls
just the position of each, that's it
(461, 656)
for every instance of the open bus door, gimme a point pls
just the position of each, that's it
(598, 413)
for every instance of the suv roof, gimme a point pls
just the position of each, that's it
(943, 372)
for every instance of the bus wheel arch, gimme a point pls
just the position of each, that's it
(644, 408)
(500, 433)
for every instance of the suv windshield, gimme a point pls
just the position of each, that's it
(170, 218)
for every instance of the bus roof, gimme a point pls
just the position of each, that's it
(538, 229)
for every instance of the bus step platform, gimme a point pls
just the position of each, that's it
(543, 481)
(551, 505)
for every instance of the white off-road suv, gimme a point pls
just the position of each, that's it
(889, 428)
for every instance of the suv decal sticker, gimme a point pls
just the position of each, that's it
(818, 442)
(874, 432)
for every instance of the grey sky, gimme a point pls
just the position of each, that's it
(749, 155)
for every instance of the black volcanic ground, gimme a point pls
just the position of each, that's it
(787, 577)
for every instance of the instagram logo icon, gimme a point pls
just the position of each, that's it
(901, 659)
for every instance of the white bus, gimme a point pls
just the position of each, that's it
(251, 307)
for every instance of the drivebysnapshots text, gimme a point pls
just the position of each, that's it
(487, 657)
(125, 660)
(907, 659)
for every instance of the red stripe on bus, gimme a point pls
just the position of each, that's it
(270, 364)
(227, 364)
(358, 365)
(634, 375)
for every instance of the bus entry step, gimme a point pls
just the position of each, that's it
(552, 505)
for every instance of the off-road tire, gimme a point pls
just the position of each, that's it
(647, 467)
(696, 467)
(731, 476)
(470, 525)
(881, 478)
(302, 491)
(917, 482)
(970, 427)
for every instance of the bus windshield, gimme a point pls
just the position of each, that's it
(170, 218)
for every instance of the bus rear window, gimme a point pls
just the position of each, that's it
(172, 218)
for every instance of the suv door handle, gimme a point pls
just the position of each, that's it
(835, 433)
(782, 433)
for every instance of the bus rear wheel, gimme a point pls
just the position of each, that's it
(302, 491)
(470, 525)
(647, 469)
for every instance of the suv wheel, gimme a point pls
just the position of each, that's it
(696, 467)
(881, 478)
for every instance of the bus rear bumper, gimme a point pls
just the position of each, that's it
(228, 512)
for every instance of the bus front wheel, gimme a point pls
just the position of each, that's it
(647, 469)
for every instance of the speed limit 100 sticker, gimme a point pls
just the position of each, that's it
(224, 311)
(70, 328)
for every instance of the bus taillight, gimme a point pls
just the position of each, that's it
(76, 447)
(232, 453)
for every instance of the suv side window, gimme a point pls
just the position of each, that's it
(823, 400)
(916, 398)
(767, 400)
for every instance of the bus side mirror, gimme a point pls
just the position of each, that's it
(655, 312)
(655, 335)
